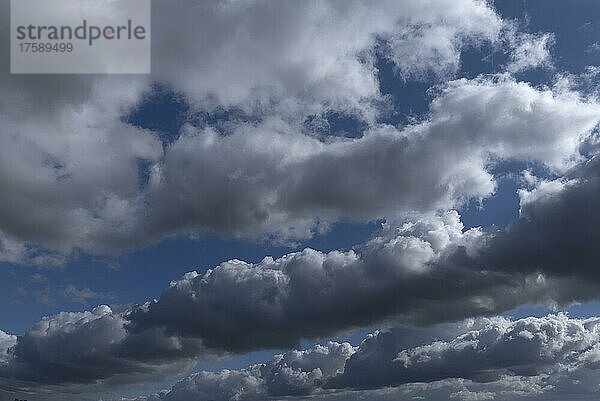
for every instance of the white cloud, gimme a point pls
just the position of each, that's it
(433, 45)
(529, 51)
(267, 180)
(294, 373)
(71, 176)
(306, 54)
(17, 252)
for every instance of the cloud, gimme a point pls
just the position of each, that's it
(526, 347)
(481, 359)
(555, 233)
(75, 173)
(412, 273)
(424, 271)
(238, 307)
(546, 256)
(68, 178)
(266, 179)
(252, 185)
(93, 348)
(14, 251)
(6, 342)
(529, 51)
(84, 295)
(532, 261)
(433, 46)
(242, 53)
(294, 373)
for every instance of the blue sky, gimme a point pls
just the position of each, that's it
(132, 275)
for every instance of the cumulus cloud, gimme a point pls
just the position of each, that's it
(424, 271)
(267, 179)
(253, 185)
(74, 173)
(72, 176)
(555, 234)
(295, 373)
(93, 348)
(481, 359)
(238, 307)
(433, 46)
(546, 256)
(526, 347)
(245, 52)
(413, 273)
(427, 270)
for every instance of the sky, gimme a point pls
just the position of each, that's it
(352, 200)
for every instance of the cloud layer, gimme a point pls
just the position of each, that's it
(76, 176)
(482, 359)
(429, 270)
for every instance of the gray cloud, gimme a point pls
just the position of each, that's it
(266, 178)
(399, 274)
(238, 307)
(70, 179)
(526, 347)
(85, 295)
(70, 165)
(556, 232)
(6, 342)
(414, 273)
(481, 359)
(426, 271)
(93, 348)
(295, 373)
(274, 54)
